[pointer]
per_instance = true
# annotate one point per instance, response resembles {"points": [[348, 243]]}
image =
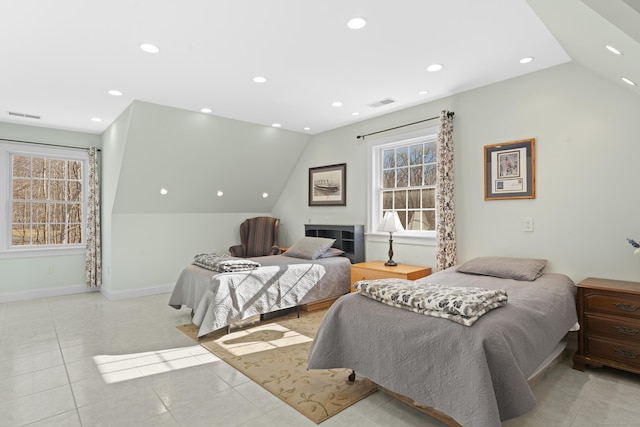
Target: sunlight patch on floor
{"points": [[123, 367], [260, 338]]}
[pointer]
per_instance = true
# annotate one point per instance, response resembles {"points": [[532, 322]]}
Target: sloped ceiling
{"points": [[585, 27], [193, 156]]}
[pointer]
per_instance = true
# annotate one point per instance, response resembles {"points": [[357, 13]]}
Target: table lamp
{"points": [[391, 223]]}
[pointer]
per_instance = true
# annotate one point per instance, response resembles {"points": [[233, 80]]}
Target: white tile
{"points": [[33, 382], [124, 409], [26, 364], [37, 406], [226, 409], [79, 352], [67, 419], [27, 348], [195, 387], [95, 390]]}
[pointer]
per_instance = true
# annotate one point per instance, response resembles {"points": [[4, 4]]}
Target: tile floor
{"points": [[83, 360]]}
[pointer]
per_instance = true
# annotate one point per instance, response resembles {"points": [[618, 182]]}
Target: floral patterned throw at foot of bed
{"points": [[463, 305], [224, 263]]}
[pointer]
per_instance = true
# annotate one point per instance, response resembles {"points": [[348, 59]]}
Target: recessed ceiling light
{"points": [[96, 119], [265, 195], [149, 48], [423, 92], [163, 191], [355, 113], [220, 193], [434, 67], [613, 50], [336, 104], [205, 110], [276, 125], [356, 23], [115, 92], [629, 82], [526, 59], [307, 128], [260, 79]]}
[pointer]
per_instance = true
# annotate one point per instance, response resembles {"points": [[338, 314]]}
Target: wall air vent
{"points": [[385, 101], [26, 116]]}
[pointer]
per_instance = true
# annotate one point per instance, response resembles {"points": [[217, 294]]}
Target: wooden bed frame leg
{"points": [[298, 309], [352, 376]]}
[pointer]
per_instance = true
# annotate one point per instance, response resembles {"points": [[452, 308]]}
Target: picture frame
{"points": [[509, 170], [328, 185]]}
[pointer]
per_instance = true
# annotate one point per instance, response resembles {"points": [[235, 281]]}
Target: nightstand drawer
{"points": [[610, 303], [613, 350], [362, 274], [373, 270], [614, 328]]}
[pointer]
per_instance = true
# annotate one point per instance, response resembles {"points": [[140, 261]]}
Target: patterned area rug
{"points": [[274, 354]]}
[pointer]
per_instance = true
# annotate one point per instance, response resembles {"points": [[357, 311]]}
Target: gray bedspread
{"points": [[476, 375], [221, 299]]}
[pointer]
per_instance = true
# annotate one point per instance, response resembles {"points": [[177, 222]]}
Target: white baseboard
{"points": [[136, 293], [44, 293]]}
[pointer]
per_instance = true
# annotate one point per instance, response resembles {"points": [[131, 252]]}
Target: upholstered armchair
{"points": [[258, 237]]}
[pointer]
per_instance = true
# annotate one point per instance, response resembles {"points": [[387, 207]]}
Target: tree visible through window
{"points": [[46, 201], [404, 177]]}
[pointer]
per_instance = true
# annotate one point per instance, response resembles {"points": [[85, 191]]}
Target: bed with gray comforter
{"points": [[475, 374], [221, 299]]}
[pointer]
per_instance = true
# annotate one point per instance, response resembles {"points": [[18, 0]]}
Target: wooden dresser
{"points": [[377, 270], [609, 316]]}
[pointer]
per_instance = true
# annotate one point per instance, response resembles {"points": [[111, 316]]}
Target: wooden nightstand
{"points": [[377, 270], [609, 316]]}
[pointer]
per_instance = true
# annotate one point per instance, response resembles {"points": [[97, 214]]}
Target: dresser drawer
{"points": [[622, 352], [614, 328], [610, 303]]}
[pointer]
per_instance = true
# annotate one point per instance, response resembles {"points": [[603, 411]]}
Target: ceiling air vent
{"points": [[385, 101], [26, 116]]}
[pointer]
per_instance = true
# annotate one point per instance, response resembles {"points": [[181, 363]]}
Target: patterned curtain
{"points": [[93, 263], [445, 204]]}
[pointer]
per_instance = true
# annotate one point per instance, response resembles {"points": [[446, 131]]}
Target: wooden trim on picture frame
{"points": [[510, 170], [328, 185]]}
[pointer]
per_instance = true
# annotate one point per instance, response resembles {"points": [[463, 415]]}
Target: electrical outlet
{"points": [[50, 269], [527, 223]]}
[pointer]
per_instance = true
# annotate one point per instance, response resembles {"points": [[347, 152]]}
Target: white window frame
{"points": [[375, 149], [6, 151]]}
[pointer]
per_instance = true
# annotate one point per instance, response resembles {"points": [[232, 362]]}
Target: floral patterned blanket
{"points": [[463, 305], [224, 263]]}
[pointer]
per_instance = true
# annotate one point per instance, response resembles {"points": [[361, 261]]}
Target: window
{"points": [[403, 178], [44, 189]]}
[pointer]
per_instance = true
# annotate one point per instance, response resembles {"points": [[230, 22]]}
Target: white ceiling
{"points": [[60, 58]]}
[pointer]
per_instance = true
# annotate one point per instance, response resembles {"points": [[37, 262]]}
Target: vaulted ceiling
{"points": [[62, 58]]}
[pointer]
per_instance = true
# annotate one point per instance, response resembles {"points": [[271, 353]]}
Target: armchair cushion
{"points": [[258, 237]]}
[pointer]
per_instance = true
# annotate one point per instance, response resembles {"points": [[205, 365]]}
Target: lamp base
{"points": [[391, 263]]}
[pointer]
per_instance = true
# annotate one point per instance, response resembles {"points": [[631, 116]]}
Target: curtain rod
{"points": [[449, 114], [45, 143]]}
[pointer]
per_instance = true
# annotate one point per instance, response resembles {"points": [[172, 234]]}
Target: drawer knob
{"points": [[625, 307], [626, 331], [625, 353]]}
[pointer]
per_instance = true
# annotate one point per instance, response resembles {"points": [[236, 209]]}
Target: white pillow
{"points": [[309, 247]]}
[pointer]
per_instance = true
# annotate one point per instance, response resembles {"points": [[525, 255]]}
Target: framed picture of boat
{"points": [[328, 185]]}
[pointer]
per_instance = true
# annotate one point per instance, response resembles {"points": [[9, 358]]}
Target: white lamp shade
{"points": [[391, 222]]}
